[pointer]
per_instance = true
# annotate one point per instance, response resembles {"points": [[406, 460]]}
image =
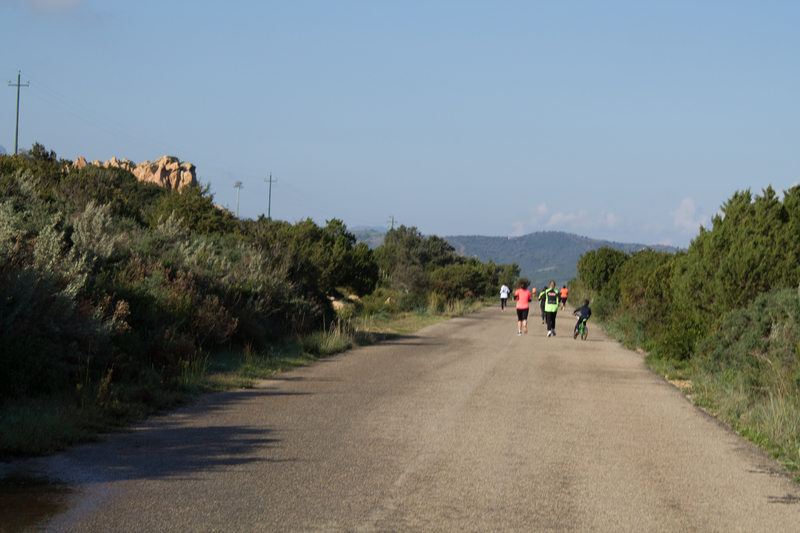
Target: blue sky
{"points": [[629, 121]]}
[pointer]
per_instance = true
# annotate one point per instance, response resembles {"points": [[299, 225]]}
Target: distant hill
{"points": [[373, 236], [542, 256]]}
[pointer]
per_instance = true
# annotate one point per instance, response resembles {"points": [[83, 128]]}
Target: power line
{"points": [[16, 130]]}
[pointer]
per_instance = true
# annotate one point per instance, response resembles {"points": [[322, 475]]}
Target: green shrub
{"points": [[469, 279], [596, 270], [763, 336], [46, 327], [381, 302], [751, 249], [95, 234], [411, 302], [194, 206], [678, 338], [436, 303], [603, 307]]}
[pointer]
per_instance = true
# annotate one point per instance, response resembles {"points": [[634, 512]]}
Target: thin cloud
{"points": [[519, 228], [612, 220], [542, 210], [687, 218], [542, 216]]}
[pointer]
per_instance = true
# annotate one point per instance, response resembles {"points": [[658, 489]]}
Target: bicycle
{"points": [[582, 329]]}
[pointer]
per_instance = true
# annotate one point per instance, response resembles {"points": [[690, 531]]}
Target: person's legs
{"points": [[519, 321], [550, 318], [525, 320]]}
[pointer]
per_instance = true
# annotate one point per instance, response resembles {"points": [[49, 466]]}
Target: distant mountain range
{"points": [[541, 256]]}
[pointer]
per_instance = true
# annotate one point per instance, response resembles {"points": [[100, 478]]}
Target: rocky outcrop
{"points": [[167, 171]]}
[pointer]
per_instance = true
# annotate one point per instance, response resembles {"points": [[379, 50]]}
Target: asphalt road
{"points": [[464, 426]]}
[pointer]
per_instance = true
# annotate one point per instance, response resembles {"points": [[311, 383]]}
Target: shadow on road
{"points": [[173, 445], [170, 451], [169, 446]]}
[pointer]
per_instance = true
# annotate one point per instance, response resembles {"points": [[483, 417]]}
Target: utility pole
{"points": [[269, 205], [18, 85], [238, 187], [391, 219]]}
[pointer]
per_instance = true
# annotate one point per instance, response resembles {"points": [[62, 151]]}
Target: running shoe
{"points": [[525, 329]]}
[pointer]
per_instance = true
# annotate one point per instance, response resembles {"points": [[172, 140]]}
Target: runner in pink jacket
{"points": [[523, 297]]}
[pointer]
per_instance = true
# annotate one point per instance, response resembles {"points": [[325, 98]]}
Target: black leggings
{"points": [[550, 318]]}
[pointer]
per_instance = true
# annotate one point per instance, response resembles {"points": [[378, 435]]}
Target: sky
{"points": [[629, 121]]}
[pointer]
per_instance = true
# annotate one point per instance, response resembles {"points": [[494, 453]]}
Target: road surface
{"points": [[464, 426]]}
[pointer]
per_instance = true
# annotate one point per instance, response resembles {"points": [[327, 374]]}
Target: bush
{"points": [[596, 269], [319, 259], [194, 206], [678, 338], [751, 249], [764, 335], [460, 281], [46, 327], [409, 302], [437, 303], [603, 308]]}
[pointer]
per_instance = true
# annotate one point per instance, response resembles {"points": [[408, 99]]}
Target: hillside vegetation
{"points": [[116, 296], [723, 317]]}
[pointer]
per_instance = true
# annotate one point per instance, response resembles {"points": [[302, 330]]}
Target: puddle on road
{"points": [[27, 499]]}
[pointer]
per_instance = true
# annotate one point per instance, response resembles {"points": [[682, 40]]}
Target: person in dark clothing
{"points": [[551, 308], [584, 313], [541, 301]]}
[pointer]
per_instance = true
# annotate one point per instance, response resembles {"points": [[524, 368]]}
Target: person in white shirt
{"points": [[504, 292]]}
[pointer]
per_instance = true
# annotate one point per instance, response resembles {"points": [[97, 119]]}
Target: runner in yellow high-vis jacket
{"points": [[551, 308]]}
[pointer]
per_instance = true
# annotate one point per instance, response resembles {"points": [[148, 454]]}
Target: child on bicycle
{"points": [[584, 313]]}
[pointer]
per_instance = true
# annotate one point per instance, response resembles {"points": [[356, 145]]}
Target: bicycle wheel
{"points": [[584, 333]]}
